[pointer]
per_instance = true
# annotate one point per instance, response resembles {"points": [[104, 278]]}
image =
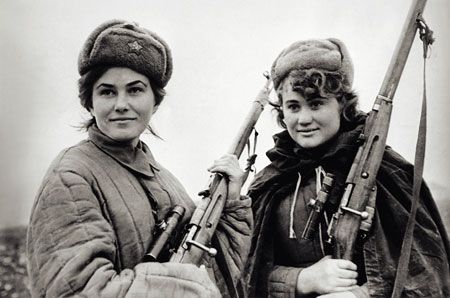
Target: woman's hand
{"points": [[229, 165], [327, 276]]}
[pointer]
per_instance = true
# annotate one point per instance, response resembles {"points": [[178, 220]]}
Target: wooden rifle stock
{"points": [[361, 180], [206, 216]]}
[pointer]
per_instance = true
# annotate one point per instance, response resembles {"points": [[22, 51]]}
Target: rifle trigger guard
{"points": [[363, 215], [210, 250]]}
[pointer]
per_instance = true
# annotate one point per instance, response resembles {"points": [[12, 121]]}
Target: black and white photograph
{"points": [[176, 148]]}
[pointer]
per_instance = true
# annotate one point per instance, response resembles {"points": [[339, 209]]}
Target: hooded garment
{"points": [[378, 254], [95, 216]]}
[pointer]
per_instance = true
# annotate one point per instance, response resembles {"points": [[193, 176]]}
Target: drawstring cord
{"points": [[320, 174], [291, 213]]}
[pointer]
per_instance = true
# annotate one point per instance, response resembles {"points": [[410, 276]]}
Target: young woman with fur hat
{"points": [[96, 212], [318, 109]]}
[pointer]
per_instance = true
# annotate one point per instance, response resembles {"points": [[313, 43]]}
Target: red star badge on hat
{"points": [[134, 47]]}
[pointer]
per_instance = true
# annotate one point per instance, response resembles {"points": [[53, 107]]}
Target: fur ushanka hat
{"points": [[322, 54], [118, 43]]}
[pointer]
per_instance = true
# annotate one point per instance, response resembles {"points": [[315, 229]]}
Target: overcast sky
{"points": [[220, 50]]}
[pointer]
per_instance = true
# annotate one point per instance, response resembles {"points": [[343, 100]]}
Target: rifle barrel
{"points": [[362, 175], [207, 215]]}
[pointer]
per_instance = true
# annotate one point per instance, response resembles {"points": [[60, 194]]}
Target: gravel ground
{"points": [[13, 268]]}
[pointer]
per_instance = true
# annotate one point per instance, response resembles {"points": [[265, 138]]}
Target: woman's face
{"points": [[122, 104], [310, 122]]}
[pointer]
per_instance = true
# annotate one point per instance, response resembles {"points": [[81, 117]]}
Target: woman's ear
{"points": [[281, 115], [91, 111], [155, 108], [280, 111], [341, 106]]}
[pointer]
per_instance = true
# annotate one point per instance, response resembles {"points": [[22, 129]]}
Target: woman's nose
{"points": [[121, 102], [304, 117]]}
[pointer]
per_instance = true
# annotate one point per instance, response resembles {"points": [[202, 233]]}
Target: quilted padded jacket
{"points": [[94, 217]]}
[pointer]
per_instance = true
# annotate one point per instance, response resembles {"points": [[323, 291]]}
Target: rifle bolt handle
{"points": [[364, 214], [210, 250]]}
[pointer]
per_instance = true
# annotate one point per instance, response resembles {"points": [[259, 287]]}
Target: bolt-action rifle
{"points": [[360, 186], [203, 223], [199, 231]]}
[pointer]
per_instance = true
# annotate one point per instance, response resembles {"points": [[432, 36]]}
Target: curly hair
{"points": [[86, 87], [313, 83]]}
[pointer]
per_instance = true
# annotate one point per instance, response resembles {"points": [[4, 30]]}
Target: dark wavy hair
{"points": [[313, 83], [86, 87]]}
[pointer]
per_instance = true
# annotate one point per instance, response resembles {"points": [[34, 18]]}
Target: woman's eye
{"points": [[134, 90], [293, 107], [107, 92], [316, 104]]}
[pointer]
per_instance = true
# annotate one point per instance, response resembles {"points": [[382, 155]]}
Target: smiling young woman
{"points": [[311, 120], [318, 109], [122, 104], [101, 201]]}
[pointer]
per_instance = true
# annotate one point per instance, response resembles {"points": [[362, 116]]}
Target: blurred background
{"points": [[220, 50]]}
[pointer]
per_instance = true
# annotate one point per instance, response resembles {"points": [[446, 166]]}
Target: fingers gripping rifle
{"points": [[360, 185], [208, 212]]}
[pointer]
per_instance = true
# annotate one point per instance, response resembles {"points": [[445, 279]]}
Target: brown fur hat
{"points": [[322, 54], [118, 43]]}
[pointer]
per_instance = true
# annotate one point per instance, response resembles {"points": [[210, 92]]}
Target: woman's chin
{"points": [[124, 136], [309, 143]]}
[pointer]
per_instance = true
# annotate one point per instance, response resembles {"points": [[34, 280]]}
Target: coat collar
{"points": [[288, 156], [138, 159]]}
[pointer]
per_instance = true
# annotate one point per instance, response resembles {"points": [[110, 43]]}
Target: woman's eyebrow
{"points": [[136, 82], [105, 85], [316, 98]]}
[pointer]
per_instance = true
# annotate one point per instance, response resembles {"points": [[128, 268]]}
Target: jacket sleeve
{"points": [[71, 246], [72, 251], [234, 233], [283, 281]]}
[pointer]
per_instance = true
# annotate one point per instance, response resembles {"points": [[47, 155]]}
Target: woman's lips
{"points": [[122, 119], [307, 132]]}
